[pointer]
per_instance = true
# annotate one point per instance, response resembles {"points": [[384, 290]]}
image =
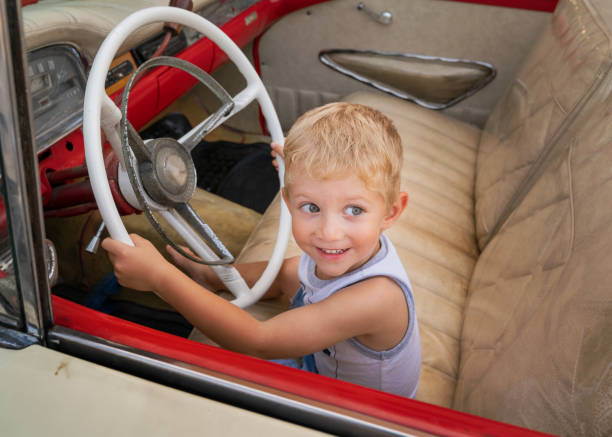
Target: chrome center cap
{"points": [[175, 170], [170, 177]]}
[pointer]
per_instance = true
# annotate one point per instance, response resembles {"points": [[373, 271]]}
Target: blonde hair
{"points": [[340, 139]]}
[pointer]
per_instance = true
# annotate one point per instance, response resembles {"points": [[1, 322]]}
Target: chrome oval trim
{"points": [[325, 59], [11, 339]]}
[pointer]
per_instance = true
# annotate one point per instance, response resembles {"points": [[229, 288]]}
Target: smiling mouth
{"points": [[333, 251]]}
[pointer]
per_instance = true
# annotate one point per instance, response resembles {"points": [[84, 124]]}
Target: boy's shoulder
{"points": [[372, 298], [379, 284]]}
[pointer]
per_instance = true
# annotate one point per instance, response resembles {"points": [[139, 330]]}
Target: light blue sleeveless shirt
{"points": [[396, 370]]}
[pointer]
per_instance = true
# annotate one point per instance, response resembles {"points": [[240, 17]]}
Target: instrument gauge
{"points": [[57, 88]]}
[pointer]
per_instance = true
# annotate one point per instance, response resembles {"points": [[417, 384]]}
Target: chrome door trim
{"points": [[12, 339], [324, 58], [20, 176], [196, 380]]}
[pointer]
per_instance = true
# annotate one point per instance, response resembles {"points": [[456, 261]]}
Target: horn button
{"points": [[170, 177]]}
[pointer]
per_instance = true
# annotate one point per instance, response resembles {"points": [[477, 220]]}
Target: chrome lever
{"points": [[384, 17], [93, 245]]}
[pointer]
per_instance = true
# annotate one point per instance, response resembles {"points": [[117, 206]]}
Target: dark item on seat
{"points": [[242, 173]]}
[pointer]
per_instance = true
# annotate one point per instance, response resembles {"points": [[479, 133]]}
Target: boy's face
{"points": [[338, 222]]}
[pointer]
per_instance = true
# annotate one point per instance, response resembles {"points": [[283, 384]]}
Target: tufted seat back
{"points": [[558, 77]]}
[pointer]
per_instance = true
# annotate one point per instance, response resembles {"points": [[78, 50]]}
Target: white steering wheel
{"points": [[159, 175]]}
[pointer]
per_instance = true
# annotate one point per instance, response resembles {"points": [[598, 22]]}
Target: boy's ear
{"points": [[397, 208]]}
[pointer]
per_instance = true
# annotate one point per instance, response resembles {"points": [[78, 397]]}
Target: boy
{"points": [[352, 303]]}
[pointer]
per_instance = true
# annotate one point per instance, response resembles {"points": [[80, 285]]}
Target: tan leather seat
{"points": [[508, 333]]}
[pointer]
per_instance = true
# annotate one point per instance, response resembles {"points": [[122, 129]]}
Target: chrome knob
{"points": [[384, 17]]}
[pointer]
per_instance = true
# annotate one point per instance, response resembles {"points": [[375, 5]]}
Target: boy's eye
{"points": [[310, 208], [353, 210]]}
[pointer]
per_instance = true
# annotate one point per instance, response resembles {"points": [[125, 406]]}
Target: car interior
{"points": [[504, 114]]}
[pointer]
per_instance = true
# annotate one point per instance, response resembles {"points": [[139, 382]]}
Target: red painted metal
{"points": [[67, 153], [71, 211], [111, 163], [61, 176], [71, 194], [142, 100], [392, 408], [172, 82], [534, 5]]}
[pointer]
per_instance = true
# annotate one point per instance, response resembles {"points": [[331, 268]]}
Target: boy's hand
{"points": [[202, 274], [276, 149], [137, 267]]}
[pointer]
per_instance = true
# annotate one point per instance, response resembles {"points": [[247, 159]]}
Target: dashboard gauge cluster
{"points": [[57, 87]]}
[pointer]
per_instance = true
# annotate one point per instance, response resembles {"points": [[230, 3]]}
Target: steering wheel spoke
{"points": [[138, 146], [192, 218], [195, 135]]}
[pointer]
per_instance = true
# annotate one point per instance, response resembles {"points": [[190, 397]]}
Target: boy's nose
{"points": [[330, 229]]}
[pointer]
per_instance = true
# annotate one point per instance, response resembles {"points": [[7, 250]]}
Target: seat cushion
{"points": [[434, 237]]}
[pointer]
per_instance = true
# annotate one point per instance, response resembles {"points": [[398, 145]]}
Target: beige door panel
{"points": [[48, 393], [297, 80]]}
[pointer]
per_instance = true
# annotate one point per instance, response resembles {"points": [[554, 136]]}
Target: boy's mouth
{"points": [[332, 251]]}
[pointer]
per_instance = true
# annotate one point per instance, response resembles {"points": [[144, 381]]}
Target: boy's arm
{"points": [[360, 312], [285, 284], [142, 267], [366, 310], [373, 311]]}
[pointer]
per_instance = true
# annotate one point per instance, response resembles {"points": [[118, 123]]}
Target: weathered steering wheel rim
{"points": [[95, 98]]}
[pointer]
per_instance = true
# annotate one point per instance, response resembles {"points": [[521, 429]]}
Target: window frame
{"points": [[22, 202]]}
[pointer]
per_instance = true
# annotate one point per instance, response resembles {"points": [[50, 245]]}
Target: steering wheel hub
{"points": [[170, 177]]}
